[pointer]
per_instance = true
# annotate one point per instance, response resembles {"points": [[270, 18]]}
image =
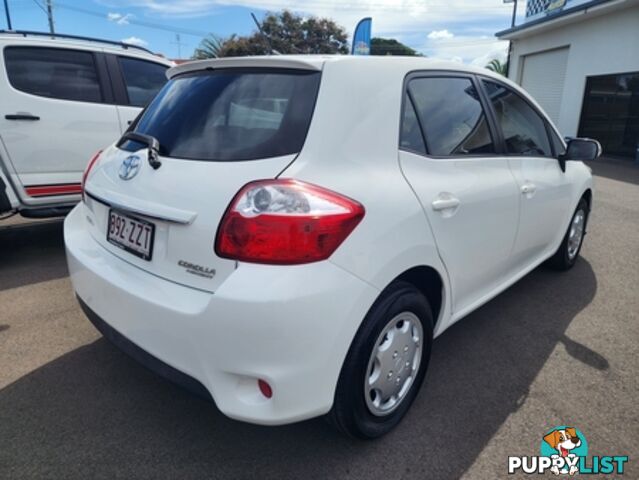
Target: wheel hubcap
{"points": [[393, 364], [576, 234]]}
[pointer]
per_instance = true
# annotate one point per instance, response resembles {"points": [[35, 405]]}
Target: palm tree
{"points": [[497, 66], [209, 47]]}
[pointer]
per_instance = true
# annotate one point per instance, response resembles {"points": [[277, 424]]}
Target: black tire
{"points": [[350, 413], [562, 260]]}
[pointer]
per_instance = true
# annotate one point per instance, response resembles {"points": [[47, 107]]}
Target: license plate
{"points": [[131, 234]]}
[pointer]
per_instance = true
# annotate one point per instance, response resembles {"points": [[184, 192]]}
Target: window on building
{"points": [[523, 128], [452, 116], [143, 79], [610, 112], [54, 73]]}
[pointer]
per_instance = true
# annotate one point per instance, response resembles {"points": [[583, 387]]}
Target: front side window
{"points": [[452, 116], [557, 144], [524, 130], [143, 80], [54, 73], [232, 115]]}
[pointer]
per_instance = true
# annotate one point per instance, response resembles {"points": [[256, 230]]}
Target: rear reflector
{"points": [[285, 222], [265, 388]]}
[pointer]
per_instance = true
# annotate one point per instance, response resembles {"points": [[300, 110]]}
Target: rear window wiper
{"points": [[151, 142]]}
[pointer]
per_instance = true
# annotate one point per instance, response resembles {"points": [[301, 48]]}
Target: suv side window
{"points": [[523, 128], [452, 116], [411, 137], [142, 79], [54, 72]]}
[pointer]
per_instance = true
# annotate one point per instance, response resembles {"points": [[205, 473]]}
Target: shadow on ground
{"points": [[31, 253], [94, 413], [616, 169]]}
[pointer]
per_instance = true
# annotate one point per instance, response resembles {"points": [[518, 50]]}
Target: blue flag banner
{"points": [[362, 37]]}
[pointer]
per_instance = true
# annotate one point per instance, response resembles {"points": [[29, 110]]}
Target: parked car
{"points": [[288, 234], [62, 99]]}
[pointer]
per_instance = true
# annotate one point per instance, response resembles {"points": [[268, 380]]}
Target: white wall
{"points": [[600, 45]]}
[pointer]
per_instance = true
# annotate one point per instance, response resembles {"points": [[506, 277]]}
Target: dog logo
{"points": [[130, 167], [566, 443], [564, 451]]}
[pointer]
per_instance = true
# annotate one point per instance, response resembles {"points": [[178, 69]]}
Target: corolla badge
{"points": [[130, 167]]}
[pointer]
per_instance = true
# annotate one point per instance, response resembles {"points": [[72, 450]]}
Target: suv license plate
{"points": [[131, 234]]}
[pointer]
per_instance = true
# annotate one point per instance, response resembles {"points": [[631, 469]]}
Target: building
{"points": [[580, 60]]}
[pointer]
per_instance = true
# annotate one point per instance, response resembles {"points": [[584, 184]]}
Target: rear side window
{"points": [[411, 137], [54, 73], [233, 114], [524, 130], [452, 116], [143, 80]]}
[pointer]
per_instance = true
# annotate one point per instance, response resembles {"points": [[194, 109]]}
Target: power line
{"points": [[40, 6], [157, 26]]}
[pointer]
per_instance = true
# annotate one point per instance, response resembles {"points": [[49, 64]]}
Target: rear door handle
{"points": [[21, 116], [528, 188], [445, 201]]}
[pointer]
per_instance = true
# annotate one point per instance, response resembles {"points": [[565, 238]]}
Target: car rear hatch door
{"points": [[217, 131]]}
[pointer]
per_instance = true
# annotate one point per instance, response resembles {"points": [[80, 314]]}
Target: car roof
{"points": [[72, 41], [318, 62]]}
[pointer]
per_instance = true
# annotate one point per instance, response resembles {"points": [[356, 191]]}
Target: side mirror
{"points": [[580, 149]]}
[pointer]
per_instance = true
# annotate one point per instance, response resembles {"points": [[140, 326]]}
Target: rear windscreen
{"points": [[229, 115]]}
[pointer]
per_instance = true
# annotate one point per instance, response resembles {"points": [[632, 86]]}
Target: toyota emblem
{"points": [[130, 166]]}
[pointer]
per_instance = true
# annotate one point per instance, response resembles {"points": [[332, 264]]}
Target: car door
{"points": [[56, 113], [136, 82], [451, 157], [532, 147]]}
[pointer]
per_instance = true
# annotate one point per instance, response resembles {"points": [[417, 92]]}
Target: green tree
{"points": [[497, 66], [390, 46], [209, 47], [284, 32]]}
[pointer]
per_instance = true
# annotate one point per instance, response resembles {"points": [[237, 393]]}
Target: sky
{"points": [[461, 30]]}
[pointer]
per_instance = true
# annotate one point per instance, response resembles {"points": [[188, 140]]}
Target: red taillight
{"points": [[85, 175], [285, 222]]}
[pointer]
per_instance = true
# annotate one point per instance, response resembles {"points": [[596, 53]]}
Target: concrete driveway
{"points": [[554, 349]]}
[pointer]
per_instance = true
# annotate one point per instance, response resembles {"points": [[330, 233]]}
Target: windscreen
{"points": [[231, 114]]}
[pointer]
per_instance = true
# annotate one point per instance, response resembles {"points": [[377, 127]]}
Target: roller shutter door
{"points": [[543, 76]]}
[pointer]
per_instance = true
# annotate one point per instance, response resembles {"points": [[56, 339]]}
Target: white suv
{"points": [[288, 234], [62, 99]]}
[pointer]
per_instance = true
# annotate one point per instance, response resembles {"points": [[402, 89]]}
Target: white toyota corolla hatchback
{"points": [[288, 234]]}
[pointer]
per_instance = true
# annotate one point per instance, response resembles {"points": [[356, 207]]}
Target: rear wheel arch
{"points": [[430, 283], [424, 278]]}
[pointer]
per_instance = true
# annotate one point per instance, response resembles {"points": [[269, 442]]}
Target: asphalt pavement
{"points": [[554, 349]]}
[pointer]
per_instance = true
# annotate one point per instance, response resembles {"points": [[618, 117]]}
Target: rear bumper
{"points": [[291, 326], [143, 357]]}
